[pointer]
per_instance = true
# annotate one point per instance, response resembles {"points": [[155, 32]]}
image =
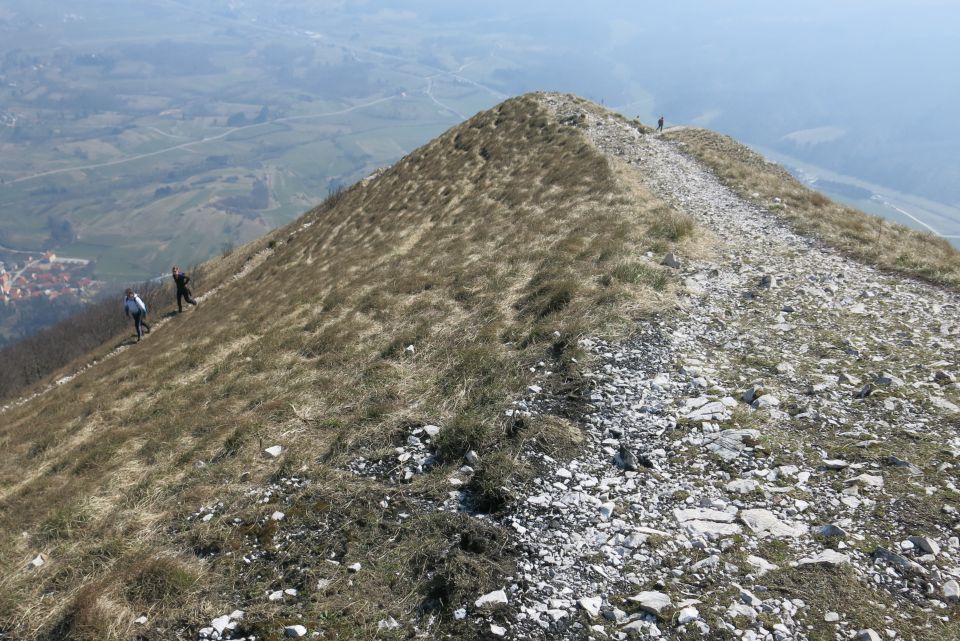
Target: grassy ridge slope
{"points": [[866, 238], [489, 249]]}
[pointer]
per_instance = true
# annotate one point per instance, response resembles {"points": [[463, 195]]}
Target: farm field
{"points": [[160, 145]]}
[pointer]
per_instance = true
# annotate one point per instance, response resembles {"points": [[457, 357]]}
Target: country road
{"points": [[16, 251], [186, 145]]}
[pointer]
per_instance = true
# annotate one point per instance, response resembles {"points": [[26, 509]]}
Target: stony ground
{"points": [[777, 461]]}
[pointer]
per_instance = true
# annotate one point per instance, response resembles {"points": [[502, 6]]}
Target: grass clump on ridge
{"points": [[870, 239], [495, 246]]}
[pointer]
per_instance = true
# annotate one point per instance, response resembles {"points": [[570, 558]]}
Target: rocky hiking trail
{"points": [[776, 461]]}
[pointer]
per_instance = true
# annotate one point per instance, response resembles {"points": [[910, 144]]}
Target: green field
{"points": [[149, 139]]}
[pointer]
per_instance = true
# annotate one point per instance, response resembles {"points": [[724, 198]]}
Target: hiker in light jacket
{"points": [[183, 292], [133, 306]]}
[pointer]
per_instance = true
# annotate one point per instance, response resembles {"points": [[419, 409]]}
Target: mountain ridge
{"points": [[439, 342]]}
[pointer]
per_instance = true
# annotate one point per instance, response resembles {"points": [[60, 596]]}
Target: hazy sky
{"points": [[876, 80]]}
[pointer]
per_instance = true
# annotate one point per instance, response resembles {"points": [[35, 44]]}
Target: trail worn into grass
{"points": [[248, 266]]}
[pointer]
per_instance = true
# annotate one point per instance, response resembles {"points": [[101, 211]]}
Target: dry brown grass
{"points": [[826, 589], [495, 246], [870, 239]]}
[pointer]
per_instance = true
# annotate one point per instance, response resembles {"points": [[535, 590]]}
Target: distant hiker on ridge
{"points": [[660, 125], [133, 306], [183, 292]]}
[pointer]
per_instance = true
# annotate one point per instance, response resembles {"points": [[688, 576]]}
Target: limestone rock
{"points": [[388, 624], [944, 378], [762, 565], [273, 451], [827, 557], [766, 401], [753, 393], [742, 486], [730, 444], [898, 560], [890, 380], [715, 411], [491, 598], [835, 464], [591, 605], [866, 480], [764, 522], [652, 601], [830, 531], [688, 615], [928, 545], [943, 404], [951, 591]]}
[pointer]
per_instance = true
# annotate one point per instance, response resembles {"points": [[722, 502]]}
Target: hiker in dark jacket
{"points": [[183, 292], [133, 306], [660, 124]]}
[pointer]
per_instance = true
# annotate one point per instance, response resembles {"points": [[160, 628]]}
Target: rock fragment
{"points": [[765, 523], [652, 601], [826, 557], [591, 605], [951, 591], [671, 261], [491, 598]]}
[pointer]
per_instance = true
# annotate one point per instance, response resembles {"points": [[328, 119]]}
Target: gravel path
{"points": [[800, 412]]}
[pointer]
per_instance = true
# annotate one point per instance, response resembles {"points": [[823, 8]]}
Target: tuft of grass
{"points": [[637, 273], [88, 617], [672, 225], [466, 432], [549, 291], [160, 580], [489, 487], [63, 523]]}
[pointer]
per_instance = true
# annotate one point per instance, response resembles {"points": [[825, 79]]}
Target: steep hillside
{"points": [[423, 296], [550, 376]]}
